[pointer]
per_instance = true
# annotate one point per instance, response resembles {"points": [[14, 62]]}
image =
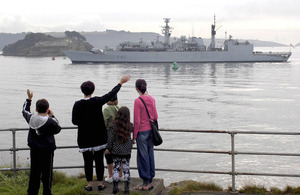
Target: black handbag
{"points": [[156, 138]]}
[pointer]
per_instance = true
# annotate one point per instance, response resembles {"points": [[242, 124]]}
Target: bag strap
{"points": [[145, 107]]}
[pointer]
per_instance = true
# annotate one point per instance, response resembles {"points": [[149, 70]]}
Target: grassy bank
{"points": [[63, 185], [185, 187]]}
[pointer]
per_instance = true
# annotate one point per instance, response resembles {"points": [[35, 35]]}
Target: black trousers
{"points": [[89, 157], [41, 163]]}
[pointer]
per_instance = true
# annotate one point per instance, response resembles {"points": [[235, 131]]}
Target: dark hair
{"points": [[114, 98], [141, 85], [42, 106], [87, 87], [123, 127]]}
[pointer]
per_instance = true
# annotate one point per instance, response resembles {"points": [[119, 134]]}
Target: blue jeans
{"points": [[145, 156]]}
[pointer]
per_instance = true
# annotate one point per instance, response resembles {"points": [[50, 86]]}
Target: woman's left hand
{"points": [[106, 151]]}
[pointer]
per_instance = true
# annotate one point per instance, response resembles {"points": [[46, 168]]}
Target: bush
{"points": [[253, 189]]}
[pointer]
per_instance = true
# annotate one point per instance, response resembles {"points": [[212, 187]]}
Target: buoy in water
{"points": [[175, 66], [53, 58]]}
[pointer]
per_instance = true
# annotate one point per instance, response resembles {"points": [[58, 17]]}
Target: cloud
{"points": [[17, 23], [11, 24]]}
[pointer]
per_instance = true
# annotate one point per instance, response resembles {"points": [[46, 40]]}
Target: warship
{"points": [[180, 50]]}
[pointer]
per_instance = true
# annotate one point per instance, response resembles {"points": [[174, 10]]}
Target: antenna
{"points": [[192, 29]]}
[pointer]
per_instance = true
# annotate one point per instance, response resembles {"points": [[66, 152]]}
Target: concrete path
{"points": [[158, 187]]}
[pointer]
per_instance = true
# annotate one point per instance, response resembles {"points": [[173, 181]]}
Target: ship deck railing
{"points": [[232, 152], [271, 52]]}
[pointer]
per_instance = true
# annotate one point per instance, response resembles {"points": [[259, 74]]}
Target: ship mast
{"points": [[213, 33], [166, 31]]}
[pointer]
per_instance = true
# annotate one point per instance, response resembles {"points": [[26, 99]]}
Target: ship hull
{"points": [[170, 57]]}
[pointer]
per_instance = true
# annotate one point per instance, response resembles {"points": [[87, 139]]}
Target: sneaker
{"points": [[109, 179], [121, 179]]}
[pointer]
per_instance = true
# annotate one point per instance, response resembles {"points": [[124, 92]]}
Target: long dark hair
{"points": [[122, 122]]}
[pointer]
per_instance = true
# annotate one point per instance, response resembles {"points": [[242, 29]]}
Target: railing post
{"points": [[233, 163], [14, 151]]}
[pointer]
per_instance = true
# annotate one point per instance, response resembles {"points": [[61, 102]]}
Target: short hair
{"points": [[114, 98], [141, 85], [87, 88], [42, 106]]}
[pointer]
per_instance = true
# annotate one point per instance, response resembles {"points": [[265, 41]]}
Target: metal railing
{"points": [[232, 153]]}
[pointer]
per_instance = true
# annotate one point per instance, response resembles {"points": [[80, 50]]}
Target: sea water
{"points": [[206, 96]]}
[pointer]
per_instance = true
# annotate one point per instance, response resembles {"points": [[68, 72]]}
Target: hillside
{"points": [[112, 38], [39, 44]]}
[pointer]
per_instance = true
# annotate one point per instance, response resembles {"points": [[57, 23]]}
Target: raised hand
{"points": [[29, 94], [124, 79]]}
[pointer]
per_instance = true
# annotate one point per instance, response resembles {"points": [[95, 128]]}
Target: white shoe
{"points": [[109, 179], [121, 179]]}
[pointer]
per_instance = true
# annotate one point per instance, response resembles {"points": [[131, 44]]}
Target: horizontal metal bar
{"points": [[186, 151], [5, 150], [190, 131], [173, 170], [192, 151], [265, 132], [269, 174], [267, 153], [193, 131]]}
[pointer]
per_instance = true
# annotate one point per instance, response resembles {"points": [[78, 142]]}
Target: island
{"points": [[42, 45]]}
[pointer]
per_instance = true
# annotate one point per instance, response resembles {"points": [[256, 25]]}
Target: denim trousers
{"points": [[145, 156]]}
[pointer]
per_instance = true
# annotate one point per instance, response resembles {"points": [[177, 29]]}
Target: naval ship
{"points": [[183, 50]]}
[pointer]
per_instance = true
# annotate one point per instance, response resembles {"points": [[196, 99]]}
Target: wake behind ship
{"points": [[184, 50]]}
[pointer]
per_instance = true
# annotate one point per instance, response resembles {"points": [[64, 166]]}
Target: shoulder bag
{"points": [[156, 138]]}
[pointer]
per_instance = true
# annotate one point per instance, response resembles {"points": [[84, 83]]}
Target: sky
{"points": [[267, 20]]}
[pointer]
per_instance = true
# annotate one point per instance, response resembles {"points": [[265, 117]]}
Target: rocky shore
{"points": [[42, 45]]}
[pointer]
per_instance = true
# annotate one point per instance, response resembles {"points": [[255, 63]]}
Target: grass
{"points": [[189, 186], [192, 186], [62, 185]]}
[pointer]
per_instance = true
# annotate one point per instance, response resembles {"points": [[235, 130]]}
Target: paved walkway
{"points": [[157, 189]]}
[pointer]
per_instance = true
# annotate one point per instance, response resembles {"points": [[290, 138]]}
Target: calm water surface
{"points": [[224, 96]]}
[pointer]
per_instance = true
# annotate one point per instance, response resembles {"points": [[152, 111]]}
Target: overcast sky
{"points": [[269, 20]]}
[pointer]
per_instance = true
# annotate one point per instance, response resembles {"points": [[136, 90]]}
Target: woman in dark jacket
{"points": [[92, 133]]}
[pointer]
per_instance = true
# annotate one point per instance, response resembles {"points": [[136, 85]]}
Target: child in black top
{"points": [[119, 144], [43, 127]]}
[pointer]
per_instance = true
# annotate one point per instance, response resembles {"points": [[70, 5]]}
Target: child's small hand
{"points": [[50, 113], [29, 94], [106, 151]]}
